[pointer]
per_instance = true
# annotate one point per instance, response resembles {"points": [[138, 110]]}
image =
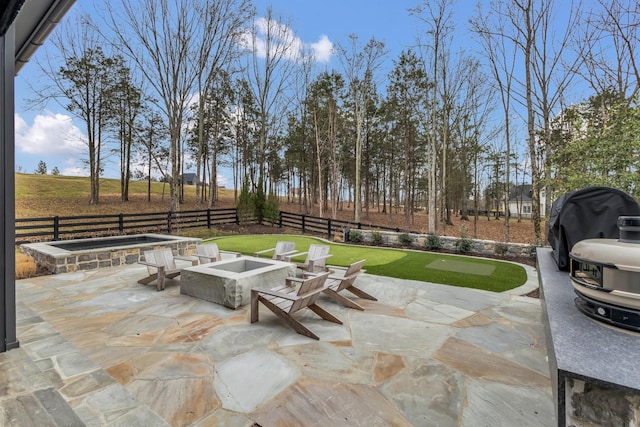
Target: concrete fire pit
{"points": [[229, 282]]}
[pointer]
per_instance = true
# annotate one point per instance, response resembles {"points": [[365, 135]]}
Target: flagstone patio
{"points": [[99, 349]]}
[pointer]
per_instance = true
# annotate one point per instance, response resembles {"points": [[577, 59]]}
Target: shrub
{"points": [[245, 206], [272, 208], [500, 249], [433, 241], [259, 202], [464, 243], [355, 236], [377, 238], [405, 239]]}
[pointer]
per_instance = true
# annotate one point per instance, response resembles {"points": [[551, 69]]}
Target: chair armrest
{"points": [[263, 251], [294, 279], [290, 253], [237, 254], [192, 259], [288, 257], [150, 264], [290, 297], [321, 257]]}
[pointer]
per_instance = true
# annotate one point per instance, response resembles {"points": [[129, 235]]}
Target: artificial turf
{"points": [[455, 270]]}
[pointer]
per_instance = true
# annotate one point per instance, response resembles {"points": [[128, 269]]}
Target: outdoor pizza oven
{"points": [[605, 274]]}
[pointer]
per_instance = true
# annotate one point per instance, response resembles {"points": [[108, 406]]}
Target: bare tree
{"points": [[225, 24], [168, 41], [526, 26], [438, 20], [273, 48], [609, 45], [84, 81], [360, 65], [501, 56]]}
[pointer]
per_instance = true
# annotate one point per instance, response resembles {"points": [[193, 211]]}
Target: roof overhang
{"points": [[34, 21]]}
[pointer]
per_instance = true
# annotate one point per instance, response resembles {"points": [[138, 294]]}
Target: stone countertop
{"points": [[583, 347]]}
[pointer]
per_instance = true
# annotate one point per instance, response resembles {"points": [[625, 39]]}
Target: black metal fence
{"points": [[326, 226], [61, 227]]}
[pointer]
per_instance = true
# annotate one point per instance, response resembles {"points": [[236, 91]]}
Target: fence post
{"points": [[237, 217], [169, 220], [56, 227], [329, 229], [209, 218], [280, 219], [303, 226], [121, 223], [359, 226]]}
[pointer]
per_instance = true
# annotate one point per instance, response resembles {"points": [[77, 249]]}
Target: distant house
{"points": [[520, 203], [189, 179]]}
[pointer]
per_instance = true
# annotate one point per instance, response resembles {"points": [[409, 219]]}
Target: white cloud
{"points": [[284, 42], [222, 181], [51, 134], [322, 49], [74, 171]]}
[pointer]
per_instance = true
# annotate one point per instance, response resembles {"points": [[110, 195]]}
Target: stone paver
{"points": [[99, 349]]}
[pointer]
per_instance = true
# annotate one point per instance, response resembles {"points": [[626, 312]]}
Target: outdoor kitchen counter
{"points": [[594, 367]]}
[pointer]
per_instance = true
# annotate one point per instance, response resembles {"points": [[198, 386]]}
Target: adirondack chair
{"points": [[209, 252], [316, 258], [161, 265], [285, 300], [336, 284], [280, 252]]}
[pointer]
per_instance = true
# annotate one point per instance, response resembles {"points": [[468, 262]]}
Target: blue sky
{"points": [[51, 134]]}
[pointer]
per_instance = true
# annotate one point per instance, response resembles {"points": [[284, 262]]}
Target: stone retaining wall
{"points": [[477, 247], [67, 262]]}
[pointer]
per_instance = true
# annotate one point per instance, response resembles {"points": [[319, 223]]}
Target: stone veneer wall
{"points": [[103, 257], [478, 247]]}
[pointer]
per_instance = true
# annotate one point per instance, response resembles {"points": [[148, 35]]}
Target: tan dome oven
{"points": [[605, 274]]}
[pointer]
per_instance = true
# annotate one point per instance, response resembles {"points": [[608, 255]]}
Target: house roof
{"points": [[9, 10], [34, 21], [520, 193]]}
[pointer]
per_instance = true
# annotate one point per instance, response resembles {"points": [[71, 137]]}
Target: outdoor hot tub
{"points": [[88, 254], [229, 282]]}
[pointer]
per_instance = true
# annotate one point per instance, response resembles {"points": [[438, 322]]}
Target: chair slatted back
{"points": [[160, 257], [350, 275], [210, 251], [318, 254], [283, 247], [312, 287]]}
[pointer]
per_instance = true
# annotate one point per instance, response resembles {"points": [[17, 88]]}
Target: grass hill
{"points": [[46, 196]]}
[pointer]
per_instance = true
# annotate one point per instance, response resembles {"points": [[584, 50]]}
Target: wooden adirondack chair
{"points": [[316, 258], [161, 265], [281, 251], [285, 300], [209, 252], [337, 284]]}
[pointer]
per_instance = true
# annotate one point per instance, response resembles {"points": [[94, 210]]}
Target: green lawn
{"points": [[470, 272]]}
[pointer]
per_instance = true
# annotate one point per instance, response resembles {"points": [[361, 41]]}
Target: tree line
{"points": [[449, 126]]}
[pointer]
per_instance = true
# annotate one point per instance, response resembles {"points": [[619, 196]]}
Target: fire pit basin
{"points": [[229, 282]]}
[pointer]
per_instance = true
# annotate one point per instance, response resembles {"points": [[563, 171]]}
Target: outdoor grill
{"points": [[605, 274]]}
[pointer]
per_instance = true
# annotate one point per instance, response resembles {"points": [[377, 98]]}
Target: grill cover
{"points": [[589, 213]]}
